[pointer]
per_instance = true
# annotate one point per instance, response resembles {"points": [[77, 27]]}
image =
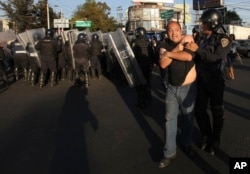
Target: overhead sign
{"points": [[204, 4], [61, 23], [167, 14], [83, 23], [153, 1]]}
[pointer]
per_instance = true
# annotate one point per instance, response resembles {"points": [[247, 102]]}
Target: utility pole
{"points": [[48, 19], [184, 15]]}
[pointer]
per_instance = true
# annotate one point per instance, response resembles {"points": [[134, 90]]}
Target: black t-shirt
{"points": [[177, 70]]}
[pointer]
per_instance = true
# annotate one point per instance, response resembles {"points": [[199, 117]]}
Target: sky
{"points": [[242, 7]]}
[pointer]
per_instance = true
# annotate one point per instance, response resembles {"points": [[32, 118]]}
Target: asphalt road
{"points": [[69, 130]]}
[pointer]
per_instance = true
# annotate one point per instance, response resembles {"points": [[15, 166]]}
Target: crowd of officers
{"points": [[55, 61]]}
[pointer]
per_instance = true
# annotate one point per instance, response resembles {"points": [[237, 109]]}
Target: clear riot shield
{"points": [[105, 39], [126, 58], [33, 36], [25, 41], [72, 37]]}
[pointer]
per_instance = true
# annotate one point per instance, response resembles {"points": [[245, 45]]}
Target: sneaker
{"points": [[165, 161]]}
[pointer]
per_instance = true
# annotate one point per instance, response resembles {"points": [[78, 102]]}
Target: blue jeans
{"points": [[180, 100]]}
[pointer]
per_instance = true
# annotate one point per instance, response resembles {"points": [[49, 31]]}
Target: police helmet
{"points": [[212, 18], [49, 33], [140, 32], [82, 37], [95, 36]]}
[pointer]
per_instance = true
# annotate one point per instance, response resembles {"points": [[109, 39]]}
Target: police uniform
{"points": [[140, 48], [69, 60], [2, 68], [61, 58], [210, 82], [48, 48], [33, 64], [96, 54], [81, 53], [20, 58]]}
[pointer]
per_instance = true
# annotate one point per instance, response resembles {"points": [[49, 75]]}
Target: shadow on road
{"points": [[70, 149]]}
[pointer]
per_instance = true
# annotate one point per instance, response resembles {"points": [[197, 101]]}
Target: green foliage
{"points": [[232, 17], [23, 14], [97, 13]]}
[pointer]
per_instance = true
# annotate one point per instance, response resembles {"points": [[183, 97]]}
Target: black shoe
{"points": [[203, 142], [165, 161], [189, 151], [210, 150]]}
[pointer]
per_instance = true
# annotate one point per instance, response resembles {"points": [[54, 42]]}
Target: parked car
{"points": [[243, 47]]}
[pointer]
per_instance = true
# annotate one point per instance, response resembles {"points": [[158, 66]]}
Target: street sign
{"points": [[61, 23], [83, 23], [167, 14]]}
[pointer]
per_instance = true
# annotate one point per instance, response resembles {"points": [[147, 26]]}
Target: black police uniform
{"points": [[96, 54], [48, 48], [20, 57], [61, 58], [69, 60], [2, 67], [141, 48], [81, 53], [211, 86], [33, 64]]}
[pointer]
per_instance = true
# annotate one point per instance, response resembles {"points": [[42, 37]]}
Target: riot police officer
{"points": [[95, 60], [81, 53], [140, 46], [3, 75], [61, 58], [20, 58], [48, 48], [33, 64], [212, 47]]}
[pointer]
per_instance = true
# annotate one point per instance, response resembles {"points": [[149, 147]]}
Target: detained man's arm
{"points": [[180, 52], [164, 61]]}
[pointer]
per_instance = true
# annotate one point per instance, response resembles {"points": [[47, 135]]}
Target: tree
{"points": [[24, 14], [233, 18], [97, 13]]}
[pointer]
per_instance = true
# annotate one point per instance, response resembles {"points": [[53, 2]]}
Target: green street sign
{"points": [[83, 23], [167, 14]]}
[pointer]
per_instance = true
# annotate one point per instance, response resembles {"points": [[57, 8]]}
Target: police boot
{"points": [[16, 74], [53, 79], [63, 74], [93, 74], [42, 80], [33, 79], [87, 82], [5, 81], [29, 75], [70, 75], [25, 74], [99, 71], [77, 80]]}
